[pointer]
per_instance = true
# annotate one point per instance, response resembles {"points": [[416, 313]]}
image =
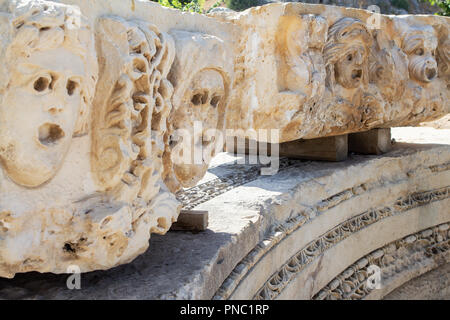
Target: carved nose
{"points": [[358, 58], [55, 110], [431, 62]]}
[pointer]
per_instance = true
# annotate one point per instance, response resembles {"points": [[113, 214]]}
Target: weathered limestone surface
{"points": [[313, 71], [86, 114], [259, 223], [433, 285], [109, 107]]}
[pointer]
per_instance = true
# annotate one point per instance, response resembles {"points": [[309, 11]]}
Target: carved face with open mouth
{"points": [[38, 115], [420, 45], [195, 123], [350, 69], [422, 65]]}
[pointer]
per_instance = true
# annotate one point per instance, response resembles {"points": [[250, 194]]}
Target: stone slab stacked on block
{"points": [[108, 108]]}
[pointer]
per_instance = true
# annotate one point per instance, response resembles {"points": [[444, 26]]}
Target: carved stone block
{"points": [[109, 107]]}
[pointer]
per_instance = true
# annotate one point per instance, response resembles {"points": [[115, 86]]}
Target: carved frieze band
{"points": [[281, 231], [392, 259], [277, 282]]}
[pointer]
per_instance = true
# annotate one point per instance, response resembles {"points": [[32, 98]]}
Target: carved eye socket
{"points": [[71, 87], [197, 99], [200, 98], [41, 84], [215, 100], [350, 57], [419, 51]]}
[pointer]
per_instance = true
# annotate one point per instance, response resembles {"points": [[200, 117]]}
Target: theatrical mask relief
{"points": [[104, 112]]}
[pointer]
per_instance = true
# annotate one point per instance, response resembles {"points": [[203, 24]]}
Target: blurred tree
{"points": [[240, 5], [444, 5], [184, 5]]}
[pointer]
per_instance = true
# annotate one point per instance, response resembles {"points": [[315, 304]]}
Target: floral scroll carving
{"points": [[129, 126]]}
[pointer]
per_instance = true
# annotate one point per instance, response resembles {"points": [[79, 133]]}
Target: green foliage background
{"points": [[444, 5], [240, 5], [183, 5], [403, 4]]}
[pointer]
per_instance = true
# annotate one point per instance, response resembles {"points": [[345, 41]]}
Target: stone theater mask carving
{"points": [[300, 44], [426, 94], [388, 68], [350, 104], [46, 89], [109, 107], [420, 45], [346, 53], [200, 75]]}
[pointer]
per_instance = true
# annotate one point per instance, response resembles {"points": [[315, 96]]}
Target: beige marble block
{"points": [[99, 98]]}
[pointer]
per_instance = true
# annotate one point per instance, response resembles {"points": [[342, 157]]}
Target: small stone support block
{"points": [[333, 148], [191, 220], [375, 141]]}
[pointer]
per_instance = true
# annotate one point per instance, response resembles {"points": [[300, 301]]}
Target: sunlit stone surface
{"points": [[95, 95]]}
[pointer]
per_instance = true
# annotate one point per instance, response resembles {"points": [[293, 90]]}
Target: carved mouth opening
{"points": [[356, 74], [50, 134], [430, 73]]}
